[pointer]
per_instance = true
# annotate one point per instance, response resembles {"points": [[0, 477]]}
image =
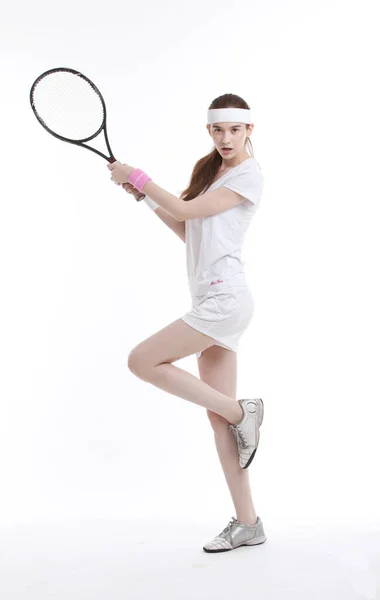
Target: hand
{"points": [[120, 172], [132, 190]]}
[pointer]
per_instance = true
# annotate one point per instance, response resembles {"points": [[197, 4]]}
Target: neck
{"points": [[234, 162]]}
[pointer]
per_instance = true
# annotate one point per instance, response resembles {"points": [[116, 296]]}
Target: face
{"points": [[231, 135]]}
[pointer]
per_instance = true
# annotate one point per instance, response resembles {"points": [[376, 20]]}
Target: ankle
{"points": [[247, 521], [238, 415]]}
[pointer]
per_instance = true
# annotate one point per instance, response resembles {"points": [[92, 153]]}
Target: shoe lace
{"points": [[226, 529], [240, 436]]}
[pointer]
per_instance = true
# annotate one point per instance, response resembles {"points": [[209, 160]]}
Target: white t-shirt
{"points": [[214, 244]]}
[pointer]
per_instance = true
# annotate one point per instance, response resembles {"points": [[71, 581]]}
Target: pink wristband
{"points": [[138, 179]]}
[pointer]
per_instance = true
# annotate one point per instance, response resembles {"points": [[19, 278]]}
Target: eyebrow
{"points": [[232, 127]]}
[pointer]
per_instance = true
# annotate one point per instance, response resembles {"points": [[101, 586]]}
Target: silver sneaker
{"points": [[237, 534], [247, 431]]}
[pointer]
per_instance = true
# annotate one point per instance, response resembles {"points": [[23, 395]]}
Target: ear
{"points": [[250, 129]]}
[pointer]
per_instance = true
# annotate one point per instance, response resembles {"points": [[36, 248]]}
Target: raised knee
{"points": [[218, 423], [135, 363]]}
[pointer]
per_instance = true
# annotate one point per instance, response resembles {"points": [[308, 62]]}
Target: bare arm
{"points": [[179, 227]]}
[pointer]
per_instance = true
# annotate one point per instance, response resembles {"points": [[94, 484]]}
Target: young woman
{"points": [[212, 216]]}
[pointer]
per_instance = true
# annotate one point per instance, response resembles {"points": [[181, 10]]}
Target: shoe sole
{"points": [[258, 437], [259, 541]]}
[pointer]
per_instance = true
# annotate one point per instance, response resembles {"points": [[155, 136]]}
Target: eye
{"points": [[233, 129]]}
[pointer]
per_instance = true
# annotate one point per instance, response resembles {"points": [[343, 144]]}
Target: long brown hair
{"points": [[207, 167]]}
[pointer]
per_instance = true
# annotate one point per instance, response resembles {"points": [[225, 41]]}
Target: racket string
{"points": [[68, 105]]}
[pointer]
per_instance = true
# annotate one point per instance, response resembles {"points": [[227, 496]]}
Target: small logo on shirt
{"points": [[217, 281]]}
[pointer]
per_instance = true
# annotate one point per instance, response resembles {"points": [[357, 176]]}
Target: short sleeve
{"points": [[248, 183]]}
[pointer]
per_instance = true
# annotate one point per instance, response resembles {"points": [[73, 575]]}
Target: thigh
{"points": [[173, 342]]}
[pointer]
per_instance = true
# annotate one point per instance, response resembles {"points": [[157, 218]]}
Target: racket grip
{"points": [[134, 191]]}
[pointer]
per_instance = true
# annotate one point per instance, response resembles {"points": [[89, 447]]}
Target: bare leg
{"points": [[236, 477], [219, 400], [215, 391], [181, 383], [218, 367]]}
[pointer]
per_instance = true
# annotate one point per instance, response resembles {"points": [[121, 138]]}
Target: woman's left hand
{"points": [[120, 172]]}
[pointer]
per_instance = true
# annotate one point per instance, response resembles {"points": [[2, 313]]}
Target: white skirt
{"points": [[222, 314]]}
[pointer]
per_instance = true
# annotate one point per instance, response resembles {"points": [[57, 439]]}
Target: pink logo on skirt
{"points": [[217, 281]]}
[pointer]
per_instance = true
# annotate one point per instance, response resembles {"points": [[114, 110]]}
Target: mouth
{"points": [[226, 150]]}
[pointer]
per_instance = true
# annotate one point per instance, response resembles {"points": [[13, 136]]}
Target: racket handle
{"points": [[134, 191], [140, 197]]}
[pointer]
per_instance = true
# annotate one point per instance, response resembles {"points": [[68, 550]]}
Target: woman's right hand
{"points": [[134, 191], [131, 190]]}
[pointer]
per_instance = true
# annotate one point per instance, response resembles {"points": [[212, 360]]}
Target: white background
{"points": [[87, 273]]}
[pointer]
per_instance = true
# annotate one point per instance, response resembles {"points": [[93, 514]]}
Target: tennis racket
{"points": [[70, 107]]}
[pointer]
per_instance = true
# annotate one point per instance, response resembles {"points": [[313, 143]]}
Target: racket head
{"points": [[68, 105]]}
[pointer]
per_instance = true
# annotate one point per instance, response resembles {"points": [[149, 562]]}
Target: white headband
{"points": [[229, 115]]}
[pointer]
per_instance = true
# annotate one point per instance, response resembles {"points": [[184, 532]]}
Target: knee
{"points": [[218, 423], [136, 364]]}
